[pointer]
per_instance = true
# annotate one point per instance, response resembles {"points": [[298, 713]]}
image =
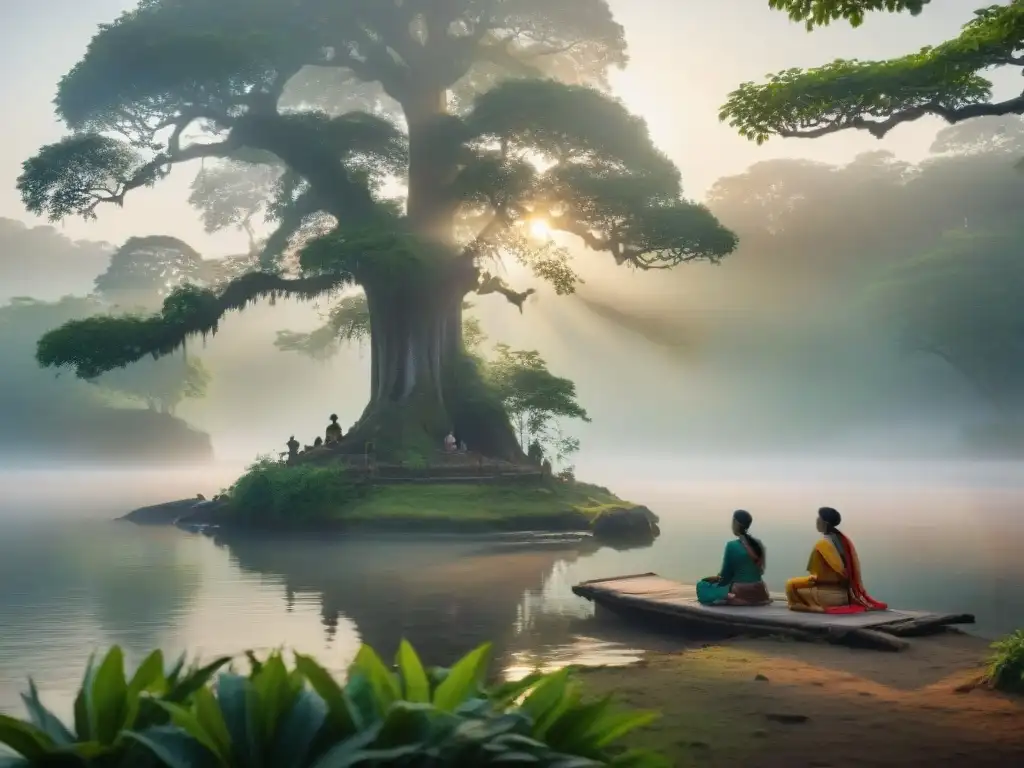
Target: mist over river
{"points": [[938, 536]]}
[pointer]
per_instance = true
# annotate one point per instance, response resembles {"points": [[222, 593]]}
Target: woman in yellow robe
{"points": [[833, 583]]}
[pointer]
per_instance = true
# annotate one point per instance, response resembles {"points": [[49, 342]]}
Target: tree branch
{"points": [[879, 128], [99, 344], [152, 169], [493, 284], [568, 225]]}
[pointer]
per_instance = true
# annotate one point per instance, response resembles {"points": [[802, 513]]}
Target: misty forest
{"points": [[385, 294], [402, 165]]}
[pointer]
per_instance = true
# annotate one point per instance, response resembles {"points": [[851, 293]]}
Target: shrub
{"points": [[270, 491], [302, 717], [109, 706], [1006, 666]]}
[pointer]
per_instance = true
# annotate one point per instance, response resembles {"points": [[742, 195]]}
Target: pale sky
{"points": [[686, 56]]}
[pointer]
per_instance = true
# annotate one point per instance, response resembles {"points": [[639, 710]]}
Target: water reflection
{"points": [[69, 587], [445, 595]]}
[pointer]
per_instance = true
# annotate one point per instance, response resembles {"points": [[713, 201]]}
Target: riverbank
{"points": [[777, 704]]}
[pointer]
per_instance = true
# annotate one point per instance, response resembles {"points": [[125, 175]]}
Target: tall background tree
{"points": [[876, 291], [424, 136], [57, 416], [144, 270], [48, 416]]}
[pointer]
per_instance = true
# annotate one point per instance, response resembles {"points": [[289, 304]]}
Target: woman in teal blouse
{"points": [[740, 580]]}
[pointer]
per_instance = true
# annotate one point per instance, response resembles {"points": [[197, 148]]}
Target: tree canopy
{"points": [[144, 270], [946, 80], [535, 399], [819, 13], [402, 145]]}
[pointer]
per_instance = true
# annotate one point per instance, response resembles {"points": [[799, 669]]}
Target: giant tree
{"points": [[877, 96], [486, 114]]}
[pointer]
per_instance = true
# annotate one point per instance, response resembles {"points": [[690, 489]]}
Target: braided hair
{"points": [[744, 520]]}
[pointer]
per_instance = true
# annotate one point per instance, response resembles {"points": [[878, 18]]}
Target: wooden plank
{"points": [[682, 599], [928, 624], [859, 637], [650, 593]]}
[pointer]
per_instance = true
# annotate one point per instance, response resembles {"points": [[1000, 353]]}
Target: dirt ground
{"points": [[778, 704]]}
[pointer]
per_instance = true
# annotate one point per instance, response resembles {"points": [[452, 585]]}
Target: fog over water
{"points": [[804, 370], [940, 536]]}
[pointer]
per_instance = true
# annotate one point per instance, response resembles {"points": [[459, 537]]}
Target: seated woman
{"points": [[834, 584], [739, 582]]}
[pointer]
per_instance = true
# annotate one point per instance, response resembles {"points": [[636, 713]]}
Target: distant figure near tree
{"points": [[293, 448], [535, 453], [333, 432], [449, 443]]}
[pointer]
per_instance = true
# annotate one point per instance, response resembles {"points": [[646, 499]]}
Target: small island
{"points": [[321, 490]]}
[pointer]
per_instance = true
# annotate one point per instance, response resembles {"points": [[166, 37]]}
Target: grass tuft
{"points": [[1006, 666]]}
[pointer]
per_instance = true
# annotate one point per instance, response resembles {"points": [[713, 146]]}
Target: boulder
{"points": [[626, 526]]}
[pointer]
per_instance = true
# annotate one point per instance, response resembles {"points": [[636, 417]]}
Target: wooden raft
{"points": [[651, 595]]}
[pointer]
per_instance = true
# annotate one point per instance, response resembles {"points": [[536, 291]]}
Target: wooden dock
{"points": [[647, 594]]}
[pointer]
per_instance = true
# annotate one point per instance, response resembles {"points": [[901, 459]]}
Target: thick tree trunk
{"points": [[431, 205], [422, 383]]}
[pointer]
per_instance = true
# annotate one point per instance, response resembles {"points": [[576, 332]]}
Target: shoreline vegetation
{"points": [[380, 714], [276, 496]]}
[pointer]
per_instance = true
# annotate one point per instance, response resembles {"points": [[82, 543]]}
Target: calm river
{"points": [[934, 537]]}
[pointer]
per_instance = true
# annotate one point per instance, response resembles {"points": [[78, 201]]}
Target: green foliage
{"points": [[67, 178], [376, 257], [109, 707], [231, 81], [818, 13], [877, 96], [1005, 670], [180, 80], [271, 492], [535, 399], [557, 121], [408, 714], [95, 345], [606, 182]]}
